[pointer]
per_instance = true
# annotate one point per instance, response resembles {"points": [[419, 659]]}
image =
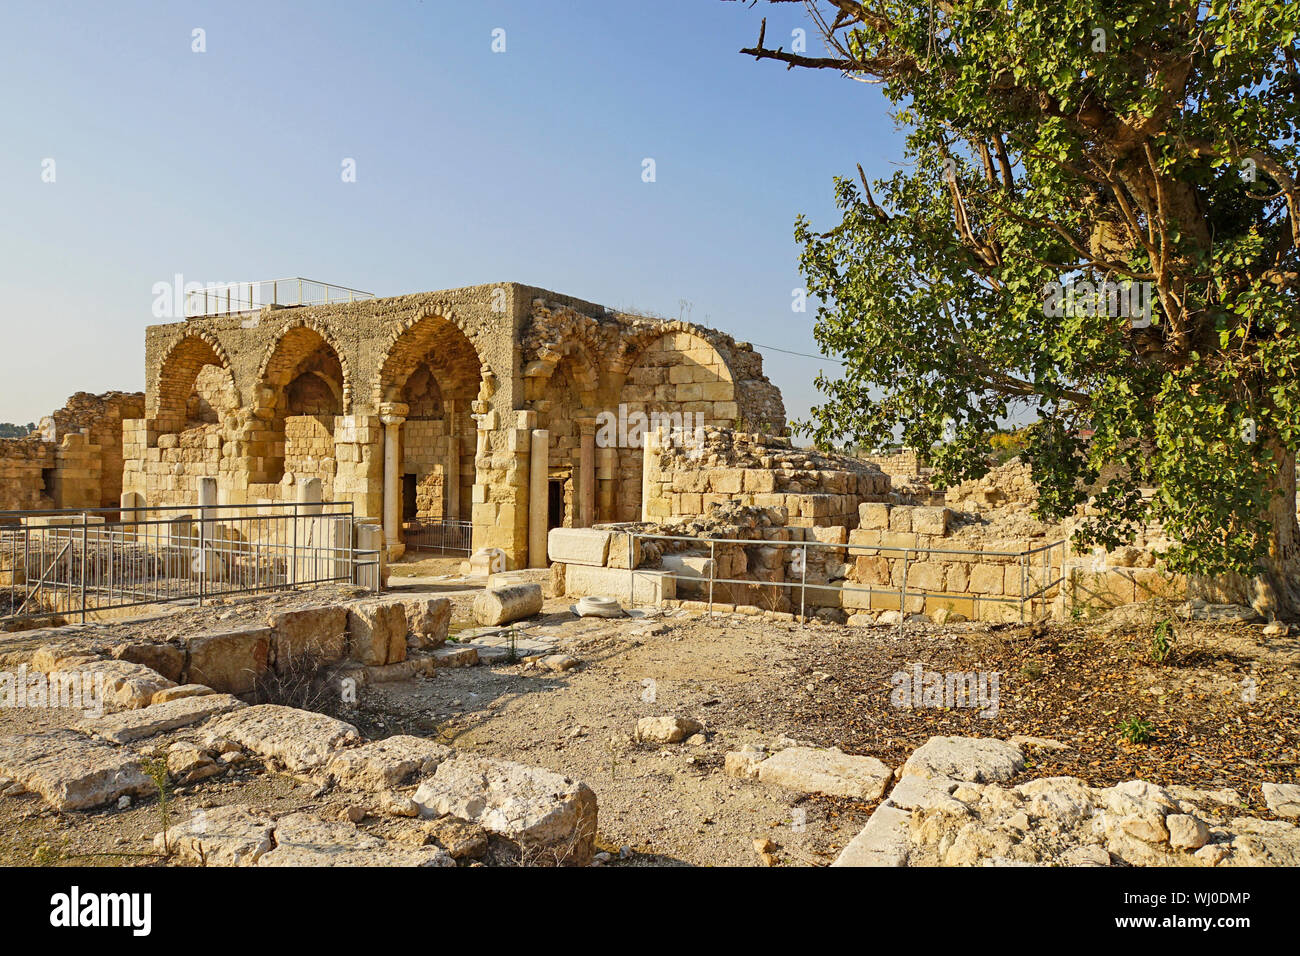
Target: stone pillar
{"points": [[538, 472], [587, 475], [451, 469], [309, 496], [393, 414], [207, 507], [607, 457], [649, 454]]}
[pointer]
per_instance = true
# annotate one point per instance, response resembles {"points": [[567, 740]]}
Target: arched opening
{"points": [[194, 395], [433, 370], [566, 400], [304, 390]]}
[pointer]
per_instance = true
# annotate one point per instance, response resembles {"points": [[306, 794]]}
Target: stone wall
{"points": [[452, 383]]}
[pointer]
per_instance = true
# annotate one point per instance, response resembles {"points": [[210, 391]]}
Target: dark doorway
{"points": [[554, 503], [409, 507]]}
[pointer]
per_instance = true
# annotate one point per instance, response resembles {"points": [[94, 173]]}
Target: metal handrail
{"points": [[229, 298], [902, 592]]}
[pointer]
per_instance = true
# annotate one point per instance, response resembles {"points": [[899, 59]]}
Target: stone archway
{"points": [[303, 387], [424, 389]]}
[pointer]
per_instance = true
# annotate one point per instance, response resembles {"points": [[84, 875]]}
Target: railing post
{"points": [[631, 574], [713, 570], [902, 596], [1024, 570], [803, 586], [85, 518], [200, 560]]}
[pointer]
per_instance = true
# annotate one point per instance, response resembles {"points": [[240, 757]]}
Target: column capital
{"points": [[393, 413]]}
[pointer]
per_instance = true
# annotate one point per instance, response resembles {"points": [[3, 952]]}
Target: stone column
{"points": [[451, 469], [649, 454], [607, 458], [587, 474], [393, 414], [538, 472]]}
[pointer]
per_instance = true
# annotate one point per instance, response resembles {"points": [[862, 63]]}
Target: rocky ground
{"points": [[644, 711]]}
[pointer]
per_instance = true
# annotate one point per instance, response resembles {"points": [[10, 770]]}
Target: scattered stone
{"points": [[1276, 629], [1283, 799], [188, 764], [744, 762], [558, 663], [830, 772], [395, 804], [460, 838], [551, 818], [1039, 743], [454, 655], [666, 730], [1186, 832]]}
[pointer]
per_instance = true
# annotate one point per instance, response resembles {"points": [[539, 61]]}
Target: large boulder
{"points": [[502, 605], [72, 771], [549, 817]]}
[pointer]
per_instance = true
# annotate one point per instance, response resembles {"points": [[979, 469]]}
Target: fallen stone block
{"points": [[386, 764], [503, 605], [831, 772], [629, 587], [51, 657], [455, 655], [974, 759], [427, 620], [225, 836], [72, 771], [128, 725], [300, 740], [666, 730], [376, 632], [315, 634], [302, 839], [551, 818], [579, 546], [1283, 799], [122, 683], [187, 764], [229, 661], [884, 841]]}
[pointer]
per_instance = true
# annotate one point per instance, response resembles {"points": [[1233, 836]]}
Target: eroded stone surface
{"points": [[128, 725], [552, 818], [385, 764], [666, 730], [72, 771], [299, 740], [302, 839], [1283, 799], [975, 759], [831, 772]]}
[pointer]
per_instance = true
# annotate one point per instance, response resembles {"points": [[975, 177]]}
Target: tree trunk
{"points": [[1276, 592]]}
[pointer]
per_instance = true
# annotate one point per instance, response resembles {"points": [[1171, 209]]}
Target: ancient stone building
{"points": [[487, 404]]}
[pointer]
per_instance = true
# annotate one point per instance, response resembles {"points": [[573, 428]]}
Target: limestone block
{"points": [[933, 521], [129, 725], [666, 730], [551, 818], [831, 772], [884, 841], [300, 740], [71, 771], [229, 661], [900, 519], [316, 633], [618, 552], [974, 759], [386, 764], [376, 632], [987, 579], [502, 605], [636, 587], [124, 684], [167, 660], [427, 620]]}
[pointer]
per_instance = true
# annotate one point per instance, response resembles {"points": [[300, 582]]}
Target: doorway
{"points": [[409, 506], [554, 503]]}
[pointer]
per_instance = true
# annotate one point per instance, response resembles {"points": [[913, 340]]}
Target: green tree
{"points": [[1097, 228]]}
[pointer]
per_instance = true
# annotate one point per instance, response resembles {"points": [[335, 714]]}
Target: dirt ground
{"points": [[1222, 711]]}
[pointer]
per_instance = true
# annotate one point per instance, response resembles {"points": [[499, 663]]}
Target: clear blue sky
{"points": [[472, 166]]}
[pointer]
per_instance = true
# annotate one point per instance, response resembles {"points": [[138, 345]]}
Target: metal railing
{"points": [[229, 298], [1038, 573], [438, 534], [61, 564]]}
